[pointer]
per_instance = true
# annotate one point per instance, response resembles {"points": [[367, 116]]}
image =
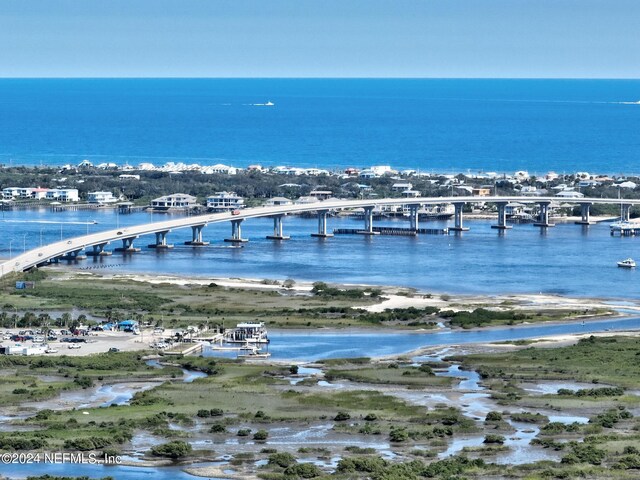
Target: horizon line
{"points": [[73, 77]]}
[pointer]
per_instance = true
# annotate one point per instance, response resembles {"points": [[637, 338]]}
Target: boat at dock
{"points": [[627, 263], [248, 333], [252, 351]]}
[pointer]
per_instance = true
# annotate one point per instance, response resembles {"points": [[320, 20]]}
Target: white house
{"points": [[33, 193], [176, 200], [10, 193], [224, 202], [380, 170], [278, 201], [129, 176], [314, 172], [306, 200], [401, 186], [569, 194], [628, 184], [101, 197], [221, 169], [368, 173], [63, 194]]}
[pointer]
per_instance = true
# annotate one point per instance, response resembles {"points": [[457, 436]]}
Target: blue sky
{"points": [[327, 38]]}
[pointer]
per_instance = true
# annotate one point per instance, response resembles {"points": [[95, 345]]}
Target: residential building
{"points": [[63, 194], [224, 202], [321, 194], [176, 200], [101, 197], [481, 191], [401, 186], [10, 193], [278, 201]]}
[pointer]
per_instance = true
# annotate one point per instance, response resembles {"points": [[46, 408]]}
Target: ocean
{"points": [[429, 125]]}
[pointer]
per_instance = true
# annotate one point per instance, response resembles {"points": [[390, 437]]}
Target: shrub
{"points": [[341, 417], [493, 438], [371, 417], [261, 435], [282, 459], [398, 435], [244, 432], [218, 428], [303, 470], [493, 417], [176, 449]]}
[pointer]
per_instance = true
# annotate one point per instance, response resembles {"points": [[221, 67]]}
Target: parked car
{"points": [[114, 350]]}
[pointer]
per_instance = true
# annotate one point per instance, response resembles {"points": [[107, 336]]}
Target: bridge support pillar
{"points": [[127, 246], [72, 256], [368, 222], [277, 229], [322, 225], [413, 217], [625, 212], [459, 226], [543, 216], [502, 216], [98, 251], [584, 214], [161, 241], [236, 232], [196, 237]]}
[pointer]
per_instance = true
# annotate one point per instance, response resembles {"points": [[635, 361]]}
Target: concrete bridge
{"points": [[94, 244]]}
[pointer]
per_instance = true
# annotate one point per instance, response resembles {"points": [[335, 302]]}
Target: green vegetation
{"points": [[608, 360], [174, 450]]}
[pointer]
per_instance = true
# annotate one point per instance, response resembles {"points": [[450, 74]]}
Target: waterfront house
{"points": [[278, 201], [63, 194], [225, 202], [10, 193], [101, 197], [176, 200]]}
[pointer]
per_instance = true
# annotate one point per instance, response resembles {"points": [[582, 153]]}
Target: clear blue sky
{"points": [[324, 38]]}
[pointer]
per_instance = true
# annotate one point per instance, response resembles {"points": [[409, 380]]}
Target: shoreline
{"points": [[389, 291]]}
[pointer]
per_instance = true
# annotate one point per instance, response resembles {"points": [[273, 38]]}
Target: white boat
{"points": [[249, 332], [269, 104], [627, 263], [251, 351]]}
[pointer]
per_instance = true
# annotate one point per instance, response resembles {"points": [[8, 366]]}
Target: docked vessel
{"points": [[252, 351], [627, 263], [248, 333]]}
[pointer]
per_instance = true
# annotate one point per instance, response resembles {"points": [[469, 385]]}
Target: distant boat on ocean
{"points": [[628, 263], [271, 104]]}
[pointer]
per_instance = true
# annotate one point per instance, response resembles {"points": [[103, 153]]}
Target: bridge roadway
{"points": [[73, 246]]}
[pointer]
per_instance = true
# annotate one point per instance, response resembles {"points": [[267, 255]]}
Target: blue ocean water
{"points": [[431, 125]]}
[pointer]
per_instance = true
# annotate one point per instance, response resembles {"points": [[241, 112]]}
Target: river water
{"points": [[567, 259], [315, 345]]}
